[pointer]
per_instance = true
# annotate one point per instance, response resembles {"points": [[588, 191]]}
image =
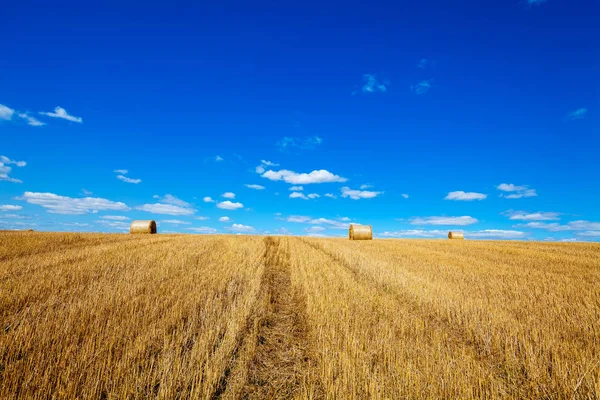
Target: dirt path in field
{"points": [[281, 357], [272, 358]]}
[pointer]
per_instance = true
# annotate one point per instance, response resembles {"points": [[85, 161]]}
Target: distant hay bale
{"points": [[30, 230], [143, 226], [456, 235], [360, 232]]}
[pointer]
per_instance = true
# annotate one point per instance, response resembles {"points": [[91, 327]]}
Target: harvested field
{"points": [[249, 317]]}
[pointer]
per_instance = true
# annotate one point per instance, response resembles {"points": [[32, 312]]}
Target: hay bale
{"points": [[360, 232], [456, 235], [30, 230], [142, 226]]}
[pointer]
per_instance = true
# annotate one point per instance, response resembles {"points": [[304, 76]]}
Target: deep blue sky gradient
{"points": [[164, 88]]}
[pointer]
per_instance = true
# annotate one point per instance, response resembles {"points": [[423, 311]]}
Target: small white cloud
{"points": [[416, 233], [115, 217], [363, 187], [330, 223], [260, 169], [228, 195], [298, 195], [239, 228], [121, 171], [296, 188], [10, 207], [6, 113], [405, 195], [228, 205], [535, 2], [577, 114], [316, 176], [175, 222], [56, 204], [287, 143], [422, 87], [8, 161], [86, 192], [298, 218], [313, 196], [465, 196], [344, 219], [31, 120], [170, 199], [224, 219], [128, 180], [536, 216], [495, 234], [203, 229], [218, 158], [425, 63], [516, 192], [168, 209], [456, 221], [314, 229], [255, 187], [589, 234], [372, 85], [60, 112], [579, 225], [269, 163], [201, 218], [331, 195], [358, 194], [208, 200]]}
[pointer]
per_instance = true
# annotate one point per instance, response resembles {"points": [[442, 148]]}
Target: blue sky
{"points": [[299, 117]]}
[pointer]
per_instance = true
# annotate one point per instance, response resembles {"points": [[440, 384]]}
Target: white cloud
{"points": [[60, 112], [457, 221], [6, 113], [424, 63], [260, 169], [269, 163], [255, 187], [313, 196], [298, 218], [121, 171], [31, 120], [422, 87], [416, 233], [128, 180], [12, 216], [405, 195], [536, 216], [86, 192], [115, 217], [170, 199], [495, 234], [363, 187], [201, 218], [358, 194], [73, 206], [8, 161], [296, 188], [5, 170], [175, 222], [117, 225], [330, 223], [517, 192], [298, 195], [314, 229], [287, 142], [224, 219], [208, 200], [331, 195], [241, 228], [9, 207], [203, 229], [579, 225], [228, 205], [465, 196], [228, 195], [168, 209], [372, 85], [591, 234], [344, 219], [218, 158], [535, 2], [577, 114], [316, 176]]}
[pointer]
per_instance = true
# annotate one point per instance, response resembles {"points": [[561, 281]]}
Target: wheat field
{"points": [[91, 316]]}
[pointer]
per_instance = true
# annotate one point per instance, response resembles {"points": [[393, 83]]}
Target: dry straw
{"points": [[360, 232], [456, 235], [142, 226]]}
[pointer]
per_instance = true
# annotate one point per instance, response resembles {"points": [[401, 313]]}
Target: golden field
{"points": [[93, 316]]}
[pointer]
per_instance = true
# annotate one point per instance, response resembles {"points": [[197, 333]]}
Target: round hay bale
{"points": [[360, 232], [456, 235], [30, 230], [142, 226]]}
